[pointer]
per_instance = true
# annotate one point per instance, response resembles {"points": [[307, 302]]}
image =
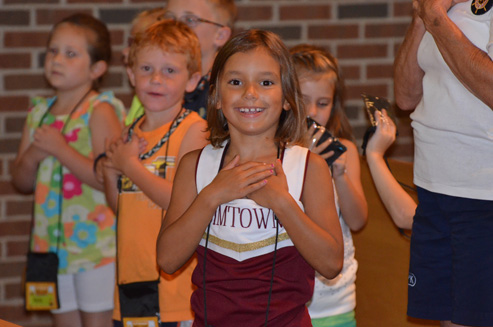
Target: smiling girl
{"points": [[253, 204]]}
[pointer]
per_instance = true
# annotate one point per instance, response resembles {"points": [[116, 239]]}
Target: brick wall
{"points": [[363, 34]]}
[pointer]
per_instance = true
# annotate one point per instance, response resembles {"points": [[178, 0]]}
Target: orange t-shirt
{"points": [[138, 224]]}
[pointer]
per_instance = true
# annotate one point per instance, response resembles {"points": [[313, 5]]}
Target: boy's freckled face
{"points": [[160, 78]]}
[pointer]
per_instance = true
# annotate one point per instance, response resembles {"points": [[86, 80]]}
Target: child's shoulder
{"points": [[38, 107], [108, 97], [39, 102], [192, 117], [350, 145]]}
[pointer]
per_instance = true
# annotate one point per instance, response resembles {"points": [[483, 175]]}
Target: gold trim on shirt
{"points": [[245, 247]]}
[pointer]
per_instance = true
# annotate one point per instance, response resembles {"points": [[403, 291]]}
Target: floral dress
{"points": [[84, 235]]}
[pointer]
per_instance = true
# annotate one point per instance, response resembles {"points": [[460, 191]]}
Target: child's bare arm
{"points": [[125, 158], [103, 124], [316, 233], [26, 163], [110, 182], [194, 139], [189, 213], [347, 180], [400, 205]]}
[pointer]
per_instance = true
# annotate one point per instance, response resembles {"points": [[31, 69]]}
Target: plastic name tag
{"points": [[140, 322], [41, 296]]}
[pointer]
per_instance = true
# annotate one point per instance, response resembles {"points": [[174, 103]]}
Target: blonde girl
{"points": [[322, 87]]}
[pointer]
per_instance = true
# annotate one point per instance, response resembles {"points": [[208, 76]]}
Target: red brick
{"points": [[25, 82], [14, 17], [10, 164], [385, 30], [253, 13], [6, 188], [355, 91], [396, 47], [51, 16], [351, 72], [94, 1], [14, 228], [333, 31], [17, 248], [379, 71], [17, 2], [403, 9], [356, 51], [25, 39], [9, 146], [14, 103], [126, 98], [12, 269], [305, 12], [14, 291], [116, 59], [14, 124], [113, 80], [19, 207], [117, 37], [15, 60]]}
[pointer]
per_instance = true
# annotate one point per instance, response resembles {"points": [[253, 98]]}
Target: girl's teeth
{"points": [[248, 110]]}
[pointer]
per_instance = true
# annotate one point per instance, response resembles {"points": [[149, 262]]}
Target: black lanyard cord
{"points": [[273, 260], [60, 168]]}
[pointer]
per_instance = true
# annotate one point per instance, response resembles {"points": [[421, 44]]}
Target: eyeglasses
{"points": [[190, 19]]}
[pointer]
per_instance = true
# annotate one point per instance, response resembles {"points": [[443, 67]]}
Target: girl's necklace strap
{"points": [[70, 113]]}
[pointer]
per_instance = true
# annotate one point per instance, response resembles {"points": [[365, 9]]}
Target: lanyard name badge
{"points": [[139, 304], [41, 286], [41, 281], [139, 301]]}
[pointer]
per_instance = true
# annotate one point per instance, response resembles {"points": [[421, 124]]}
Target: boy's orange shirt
{"points": [[138, 225]]}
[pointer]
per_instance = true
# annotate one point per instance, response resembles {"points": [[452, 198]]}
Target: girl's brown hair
{"points": [[99, 42], [292, 126], [310, 59]]}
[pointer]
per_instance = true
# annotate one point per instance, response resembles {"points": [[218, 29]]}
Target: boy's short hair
{"points": [[145, 19], [292, 125], [170, 36], [226, 10]]}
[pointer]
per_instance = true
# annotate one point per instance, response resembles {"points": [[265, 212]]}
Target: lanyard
{"points": [[60, 168]]}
